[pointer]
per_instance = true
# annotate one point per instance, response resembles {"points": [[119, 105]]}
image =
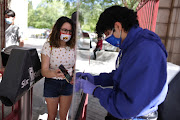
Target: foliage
{"points": [[89, 10], [46, 13]]}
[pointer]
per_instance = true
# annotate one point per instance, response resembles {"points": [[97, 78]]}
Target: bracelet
{"points": [[94, 90]]}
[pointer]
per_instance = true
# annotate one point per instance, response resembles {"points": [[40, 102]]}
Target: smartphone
{"points": [[66, 74]]}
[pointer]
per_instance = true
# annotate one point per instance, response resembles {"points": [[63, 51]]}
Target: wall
{"points": [[168, 28], [20, 7]]}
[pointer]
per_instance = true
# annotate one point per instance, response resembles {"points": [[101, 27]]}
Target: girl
{"points": [[59, 49]]}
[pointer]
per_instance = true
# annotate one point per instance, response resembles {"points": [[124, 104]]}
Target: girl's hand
{"points": [[58, 73], [72, 81]]}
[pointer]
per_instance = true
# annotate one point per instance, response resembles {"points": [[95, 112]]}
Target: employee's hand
{"points": [[85, 85], [78, 74], [89, 77], [77, 85]]}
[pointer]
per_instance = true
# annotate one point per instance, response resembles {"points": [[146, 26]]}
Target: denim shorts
{"points": [[56, 88]]}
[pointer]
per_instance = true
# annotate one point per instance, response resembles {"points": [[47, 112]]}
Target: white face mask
{"points": [[65, 37], [9, 20]]}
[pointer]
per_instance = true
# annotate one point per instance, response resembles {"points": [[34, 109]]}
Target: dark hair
{"points": [[107, 19], [99, 35], [9, 13], [54, 36], [74, 17]]}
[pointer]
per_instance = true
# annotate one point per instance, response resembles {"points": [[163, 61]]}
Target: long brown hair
{"points": [[54, 36]]}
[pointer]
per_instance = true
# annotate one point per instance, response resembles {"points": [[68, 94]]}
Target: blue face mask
{"points": [[113, 40]]}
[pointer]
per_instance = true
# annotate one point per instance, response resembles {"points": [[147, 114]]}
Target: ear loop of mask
{"points": [[118, 60], [110, 34]]}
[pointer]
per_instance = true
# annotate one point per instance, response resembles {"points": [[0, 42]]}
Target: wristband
{"points": [[94, 90]]}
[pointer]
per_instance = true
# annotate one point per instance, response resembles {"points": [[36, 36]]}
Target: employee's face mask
{"points": [[113, 40], [65, 37], [9, 20]]}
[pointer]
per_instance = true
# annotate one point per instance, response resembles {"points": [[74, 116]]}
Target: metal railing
{"points": [[82, 108], [3, 6], [147, 11], [15, 113]]}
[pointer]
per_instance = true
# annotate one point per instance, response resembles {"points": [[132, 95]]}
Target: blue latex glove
{"points": [[77, 85], [89, 77], [78, 74], [86, 86]]}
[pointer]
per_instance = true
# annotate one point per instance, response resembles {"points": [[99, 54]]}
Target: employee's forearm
{"points": [[21, 43]]}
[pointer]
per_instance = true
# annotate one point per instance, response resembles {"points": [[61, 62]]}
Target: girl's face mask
{"points": [[65, 37], [113, 40]]}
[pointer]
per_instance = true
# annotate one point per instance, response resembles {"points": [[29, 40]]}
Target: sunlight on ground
{"points": [[43, 117]]}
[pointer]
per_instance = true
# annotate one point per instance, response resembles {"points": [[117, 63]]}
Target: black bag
{"points": [[21, 72], [6, 52]]}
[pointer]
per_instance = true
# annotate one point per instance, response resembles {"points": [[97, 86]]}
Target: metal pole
{"points": [[3, 25], [26, 106]]}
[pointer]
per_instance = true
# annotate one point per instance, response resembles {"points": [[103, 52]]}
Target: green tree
{"points": [[91, 9], [30, 14], [46, 14]]}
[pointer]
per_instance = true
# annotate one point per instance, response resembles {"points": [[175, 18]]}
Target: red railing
{"points": [[22, 110], [15, 114], [3, 6], [147, 11]]}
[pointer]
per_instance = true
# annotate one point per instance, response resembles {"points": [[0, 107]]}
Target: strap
{"points": [[51, 50]]}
